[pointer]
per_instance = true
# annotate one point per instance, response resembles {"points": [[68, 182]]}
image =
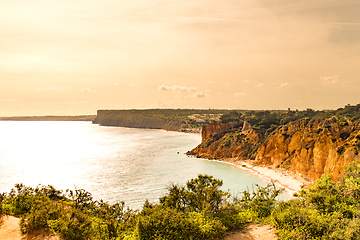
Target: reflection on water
{"points": [[115, 164]]}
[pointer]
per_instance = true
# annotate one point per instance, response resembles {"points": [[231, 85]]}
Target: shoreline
{"points": [[292, 183], [280, 177]]}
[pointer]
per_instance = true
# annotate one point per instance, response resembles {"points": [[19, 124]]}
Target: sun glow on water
{"points": [[114, 164]]}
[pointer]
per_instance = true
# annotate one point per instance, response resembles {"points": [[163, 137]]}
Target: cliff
{"points": [[227, 140], [306, 147], [132, 119], [312, 148]]}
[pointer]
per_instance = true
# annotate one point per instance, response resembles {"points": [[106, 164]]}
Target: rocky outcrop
{"points": [[131, 119], [210, 129], [227, 140], [312, 148], [309, 148]]}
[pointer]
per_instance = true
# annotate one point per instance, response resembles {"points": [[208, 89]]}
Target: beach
{"points": [[280, 177]]}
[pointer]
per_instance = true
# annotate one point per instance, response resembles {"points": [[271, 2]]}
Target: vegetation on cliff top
{"points": [[264, 120], [198, 210], [195, 118], [228, 139]]}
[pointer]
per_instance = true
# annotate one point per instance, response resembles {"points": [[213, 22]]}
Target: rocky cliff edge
{"points": [[309, 148]]}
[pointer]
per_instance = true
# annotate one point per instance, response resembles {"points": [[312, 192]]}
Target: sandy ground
{"points": [[10, 230], [280, 177], [253, 232]]}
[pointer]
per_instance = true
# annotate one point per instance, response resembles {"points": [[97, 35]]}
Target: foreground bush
{"points": [[72, 215], [328, 210], [197, 210]]}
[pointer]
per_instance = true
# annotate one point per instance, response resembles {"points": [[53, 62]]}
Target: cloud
{"points": [[210, 82], [177, 88], [8, 100], [283, 85], [239, 94], [200, 95], [346, 82], [87, 90], [259, 85], [330, 79], [51, 89], [116, 84]]}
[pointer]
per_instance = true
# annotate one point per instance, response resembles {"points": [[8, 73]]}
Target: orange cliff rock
{"points": [[312, 148], [309, 148], [227, 140]]}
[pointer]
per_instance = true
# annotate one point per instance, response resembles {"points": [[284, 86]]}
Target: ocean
{"points": [[113, 163]]}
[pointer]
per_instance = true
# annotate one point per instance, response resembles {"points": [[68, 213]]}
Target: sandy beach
{"points": [[281, 177]]}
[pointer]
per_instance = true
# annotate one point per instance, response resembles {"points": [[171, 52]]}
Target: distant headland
{"points": [[182, 120], [50, 118]]}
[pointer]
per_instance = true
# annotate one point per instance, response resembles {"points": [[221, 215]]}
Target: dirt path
{"points": [[10, 230], [254, 232]]}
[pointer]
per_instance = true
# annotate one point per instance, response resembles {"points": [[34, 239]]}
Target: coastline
{"points": [[280, 177]]}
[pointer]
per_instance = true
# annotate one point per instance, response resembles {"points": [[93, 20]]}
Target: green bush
{"points": [[207, 226], [200, 194], [328, 210], [162, 223], [261, 200], [197, 210]]}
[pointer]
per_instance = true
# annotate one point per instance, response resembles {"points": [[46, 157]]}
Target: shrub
{"points": [[328, 210], [162, 223], [261, 201], [199, 194]]}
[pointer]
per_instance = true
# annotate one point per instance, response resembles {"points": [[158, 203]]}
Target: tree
{"points": [[199, 194]]}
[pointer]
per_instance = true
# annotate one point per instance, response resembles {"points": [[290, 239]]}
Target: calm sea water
{"points": [[113, 163]]}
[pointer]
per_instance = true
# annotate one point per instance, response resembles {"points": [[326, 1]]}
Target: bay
{"points": [[113, 163]]}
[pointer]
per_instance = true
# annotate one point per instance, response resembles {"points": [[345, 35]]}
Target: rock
{"points": [[311, 148], [304, 147]]}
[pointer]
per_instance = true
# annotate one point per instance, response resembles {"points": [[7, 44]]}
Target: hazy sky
{"points": [[70, 57]]}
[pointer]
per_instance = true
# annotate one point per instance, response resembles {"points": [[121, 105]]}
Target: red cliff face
{"points": [[312, 148], [227, 140], [309, 148], [212, 128]]}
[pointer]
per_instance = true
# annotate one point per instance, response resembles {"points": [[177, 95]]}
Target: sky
{"points": [[72, 57]]}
